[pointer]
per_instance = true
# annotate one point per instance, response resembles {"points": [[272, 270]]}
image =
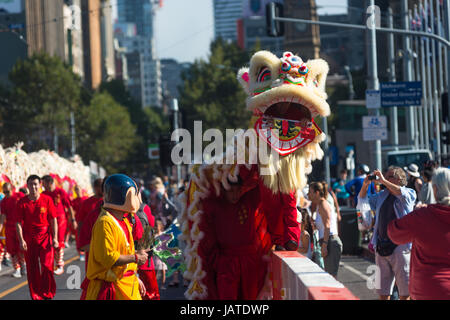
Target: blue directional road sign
{"points": [[401, 94]]}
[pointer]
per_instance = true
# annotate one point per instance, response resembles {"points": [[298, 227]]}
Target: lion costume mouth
{"points": [[287, 126]]}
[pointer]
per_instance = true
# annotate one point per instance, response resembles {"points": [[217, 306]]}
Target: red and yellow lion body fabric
{"points": [[228, 244]]}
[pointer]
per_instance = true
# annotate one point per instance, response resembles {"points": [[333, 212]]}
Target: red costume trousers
{"points": [[12, 246], [59, 253], [39, 258], [148, 277], [239, 273]]}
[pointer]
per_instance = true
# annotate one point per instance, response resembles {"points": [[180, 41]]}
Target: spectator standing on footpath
{"points": [[35, 214], [394, 202], [8, 221], [339, 189], [326, 223], [428, 228], [426, 195], [414, 181], [62, 202]]}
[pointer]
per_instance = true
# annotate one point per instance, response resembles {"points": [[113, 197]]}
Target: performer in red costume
{"points": [[90, 203], [76, 205], [62, 202], [144, 218], [35, 214], [235, 242], [7, 220]]}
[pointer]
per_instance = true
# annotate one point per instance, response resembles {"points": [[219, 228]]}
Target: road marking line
{"points": [[351, 269], [20, 285]]}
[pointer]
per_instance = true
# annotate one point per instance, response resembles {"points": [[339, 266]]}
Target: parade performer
{"points": [[62, 202], [285, 95], [113, 262], [35, 214], [7, 220]]}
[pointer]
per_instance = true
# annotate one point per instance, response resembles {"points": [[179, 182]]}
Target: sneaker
{"points": [[163, 287], [82, 257], [59, 271], [17, 274]]}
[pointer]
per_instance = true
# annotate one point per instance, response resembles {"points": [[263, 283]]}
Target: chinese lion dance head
{"points": [[285, 95]]}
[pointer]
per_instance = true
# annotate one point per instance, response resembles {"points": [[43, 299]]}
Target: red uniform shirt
{"points": [[89, 205], [60, 200], [8, 207], [77, 204], [35, 216]]}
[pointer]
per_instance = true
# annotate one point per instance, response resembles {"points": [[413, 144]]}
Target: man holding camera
{"points": [[394, 202]]}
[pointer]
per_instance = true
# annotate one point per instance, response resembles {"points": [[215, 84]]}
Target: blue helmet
{"points": [[120, 192]]}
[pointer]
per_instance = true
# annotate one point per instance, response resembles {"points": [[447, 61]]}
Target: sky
{"points": [[185, 28]]}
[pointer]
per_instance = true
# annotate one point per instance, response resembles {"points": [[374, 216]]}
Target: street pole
{"points": [[419, 77], [393, 110], [407, 71], [447, 31], [175, 128], [373, 72], [429, 107], [415, 77], [72, 131], [436, 101]]}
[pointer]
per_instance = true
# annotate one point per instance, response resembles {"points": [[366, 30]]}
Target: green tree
{"points": [[105, 133], [43, 92]]}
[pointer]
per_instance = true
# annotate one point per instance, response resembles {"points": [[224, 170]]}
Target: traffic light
{"points": [[274, 28], [445, 137], [165, 150]]}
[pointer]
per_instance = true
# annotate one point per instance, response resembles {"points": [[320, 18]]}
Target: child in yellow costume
{"points": [[113, 261]]}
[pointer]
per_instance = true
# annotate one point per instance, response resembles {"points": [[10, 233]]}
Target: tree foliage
{"points": [[43, 92], [106, 134]]}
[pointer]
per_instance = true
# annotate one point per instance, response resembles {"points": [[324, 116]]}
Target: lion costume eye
{"points": [[264, 74]]}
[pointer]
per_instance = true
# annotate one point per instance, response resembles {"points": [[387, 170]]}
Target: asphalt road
{"points": [[354, 272]]}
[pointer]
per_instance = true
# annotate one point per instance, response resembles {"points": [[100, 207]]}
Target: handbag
{"points": [[385, 247], [364, 214]]}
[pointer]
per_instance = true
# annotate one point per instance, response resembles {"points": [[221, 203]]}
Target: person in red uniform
{"points": [[90, 203], [34, 216], [7, 220], [233, 248], [62, 202], [146, 271], [76, 205]]}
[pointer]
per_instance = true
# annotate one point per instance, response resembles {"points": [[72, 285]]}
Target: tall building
{"points": [[134, 32], [45, 27], [171, 74], [252, 28], [226, 15], [74, 36], [92, 43], [107, 33], [302, 38]]}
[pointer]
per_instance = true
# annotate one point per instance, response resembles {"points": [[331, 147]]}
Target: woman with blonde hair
{"points": [[428, 228]]}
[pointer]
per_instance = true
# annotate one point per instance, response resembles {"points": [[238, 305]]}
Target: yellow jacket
{"points": [[108, 242]]}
